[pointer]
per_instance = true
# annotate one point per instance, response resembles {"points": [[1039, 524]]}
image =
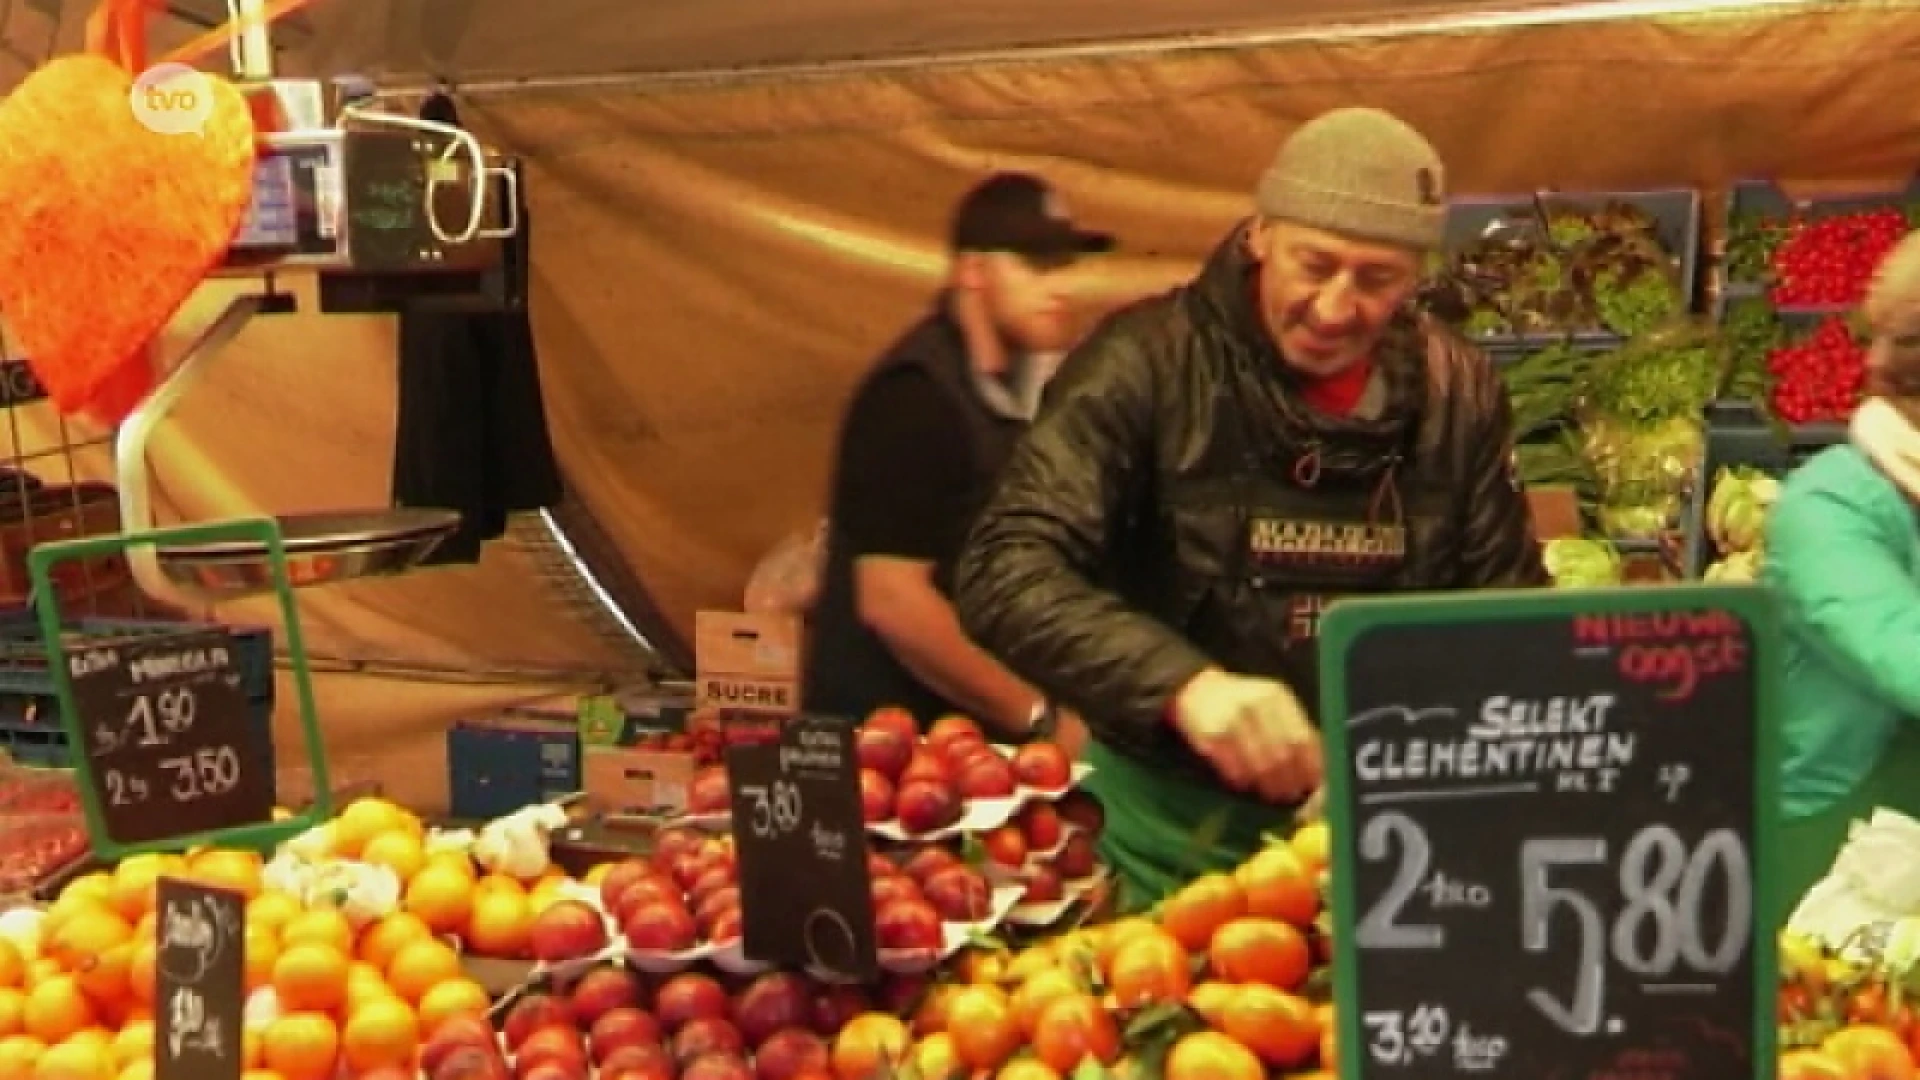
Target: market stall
{"points": [[694, 882]]}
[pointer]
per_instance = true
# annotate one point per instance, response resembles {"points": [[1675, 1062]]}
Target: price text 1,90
{"points": [[1665, 889]]}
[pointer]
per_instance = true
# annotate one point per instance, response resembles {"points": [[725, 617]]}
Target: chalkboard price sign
{"points": [[200, 968], [170, 746], [1552, 813], [805, 890]]}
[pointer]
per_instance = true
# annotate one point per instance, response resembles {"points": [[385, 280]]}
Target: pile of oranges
{"points": [[323, 993], [1225, 963]]}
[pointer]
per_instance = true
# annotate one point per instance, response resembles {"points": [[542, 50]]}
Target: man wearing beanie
{"points": [[1842, 543], [1214, 466], [922, 442]]}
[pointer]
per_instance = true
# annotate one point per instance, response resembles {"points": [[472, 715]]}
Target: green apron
{"points": [[1806, 846], [1163, 830]]}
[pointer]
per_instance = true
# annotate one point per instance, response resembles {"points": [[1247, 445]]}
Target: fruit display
{"points": [[706, 735], [1819, 376], [1849, 1013], [35, 845], [681, 906], [1818, 261], [332, 990], [1226, 979], [1554, 267], [950, 782], [37, 791]]}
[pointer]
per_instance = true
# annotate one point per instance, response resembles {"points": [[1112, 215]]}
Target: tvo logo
{"points": [[172, 99]]}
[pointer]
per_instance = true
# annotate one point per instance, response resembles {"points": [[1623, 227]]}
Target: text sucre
{"points": [[1511, 739]]}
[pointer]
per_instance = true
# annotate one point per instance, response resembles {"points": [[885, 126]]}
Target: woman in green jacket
{"points": [[1843, 557]]}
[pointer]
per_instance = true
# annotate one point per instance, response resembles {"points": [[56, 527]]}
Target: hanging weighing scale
{"points": [[165, 751]]}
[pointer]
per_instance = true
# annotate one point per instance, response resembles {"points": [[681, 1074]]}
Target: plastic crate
{"points": [[1764, 198], [1738, 436], [1676, 212], [498, 764], [23, 656], [31, 731]]}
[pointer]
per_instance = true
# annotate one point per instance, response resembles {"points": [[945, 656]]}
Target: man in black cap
{"points": [[919, 453]]}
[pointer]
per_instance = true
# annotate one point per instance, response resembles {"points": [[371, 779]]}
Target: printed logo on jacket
{"points": [[1278, 544]]}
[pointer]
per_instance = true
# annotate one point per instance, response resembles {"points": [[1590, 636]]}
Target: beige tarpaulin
{"points": [[715, 263]]}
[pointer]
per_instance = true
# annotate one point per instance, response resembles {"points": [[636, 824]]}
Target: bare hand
{"points": [[1254, 732], [1070, 733]]}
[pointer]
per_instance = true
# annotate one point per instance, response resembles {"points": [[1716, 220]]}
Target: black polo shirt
{"points": [[919, 452]]}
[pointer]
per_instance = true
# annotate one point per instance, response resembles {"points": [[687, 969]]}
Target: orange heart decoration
{"points": [[107, 226]]}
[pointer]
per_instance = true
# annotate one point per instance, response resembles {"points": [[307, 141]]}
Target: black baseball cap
{"points": [[1020, 213]]}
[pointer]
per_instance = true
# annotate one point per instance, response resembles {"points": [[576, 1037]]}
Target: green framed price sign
{"points": [[1553, 815], [168, 753]]}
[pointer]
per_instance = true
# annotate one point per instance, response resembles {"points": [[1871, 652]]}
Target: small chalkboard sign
{"points": [[200, 967], [170, 747], [385, 197], [806, 894], [1552, 815]]}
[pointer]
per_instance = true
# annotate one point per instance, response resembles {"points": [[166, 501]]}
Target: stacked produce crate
{"points": [[1794, 273], [1577, 297]]}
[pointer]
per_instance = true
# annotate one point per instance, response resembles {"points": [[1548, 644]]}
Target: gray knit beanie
{"points": [[1363, 173]]}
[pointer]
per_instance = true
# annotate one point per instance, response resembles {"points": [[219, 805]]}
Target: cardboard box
{"points": [[624, 780], [1555, 510], [747, 663]]}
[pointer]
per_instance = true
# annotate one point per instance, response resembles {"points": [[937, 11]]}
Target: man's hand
{"points": [[1070, 732], [1254, 732]]}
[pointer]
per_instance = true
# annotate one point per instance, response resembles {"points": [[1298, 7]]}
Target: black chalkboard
{"points": [[805, 892], [171, 749], [385, 197], [1551, 814], [200, 997]]}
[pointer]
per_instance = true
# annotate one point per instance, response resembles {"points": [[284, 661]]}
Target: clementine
{"points": [[380, 942], [451, 998], [1032, 997], [380, 1033], [1149, 968], [442, 898], [13, 966], [1209, 1055], [1257, 950], [1312, 844], [501, 924], [1810, 1065], [1202, 906], [1275, 1025], [980, 1019], [310, 977], [1279, 886], [319, 926], [301, 1046], [236, 870], [869, 1046], [74, 1061], [419, 966], [934, 1056], [1869, 1052], [56, 1009], [18, 1053], [1026, 1068], [1209, 999], [13, 1012], [1074, 1029], [399, 852]]}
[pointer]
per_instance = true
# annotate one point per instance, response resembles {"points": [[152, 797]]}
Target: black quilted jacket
{"points": [[1112, 566]]}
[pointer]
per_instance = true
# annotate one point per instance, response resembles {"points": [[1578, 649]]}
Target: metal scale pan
{"points": [[321, 548]]}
